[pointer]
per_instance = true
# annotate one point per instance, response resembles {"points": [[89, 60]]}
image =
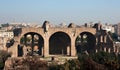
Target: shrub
{"points": [[34, 63], [56, 67], [112, 65], [72, 65], [102, 57], [27, 63], [3, 57]]}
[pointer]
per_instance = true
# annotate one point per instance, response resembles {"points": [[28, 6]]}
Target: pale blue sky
{"points": [[57, 11]]}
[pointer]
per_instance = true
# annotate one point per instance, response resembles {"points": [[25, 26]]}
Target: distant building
{"points": [[1, 43], [108, 28], [89, 24], [118, 29], [115, 28], [4, 37]]}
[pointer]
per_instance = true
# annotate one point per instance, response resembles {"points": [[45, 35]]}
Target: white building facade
{"points": [[108, 28], [4, 37]]}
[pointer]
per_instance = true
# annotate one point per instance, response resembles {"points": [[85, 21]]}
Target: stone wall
{"points": [[28, 63], [71, 32]]}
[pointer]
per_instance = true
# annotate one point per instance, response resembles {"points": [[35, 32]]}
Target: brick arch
{"points": [[90, 42], [60, 32], [67, 33], [35, 45], [22, 34], [62, 43], [87, 32], [39, 31], [71, 32], [30, 33], [90, 30]]}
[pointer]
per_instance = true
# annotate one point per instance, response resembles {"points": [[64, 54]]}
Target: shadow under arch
{"points": [[31, 43], [85, 41], [59, 44]]}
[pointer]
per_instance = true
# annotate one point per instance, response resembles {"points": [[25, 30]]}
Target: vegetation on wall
{"points": [[93, 61]]}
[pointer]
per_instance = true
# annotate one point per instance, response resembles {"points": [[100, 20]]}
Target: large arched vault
{"points": [[54, 41], [33, 42], [85, 41], [59, 44]]}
